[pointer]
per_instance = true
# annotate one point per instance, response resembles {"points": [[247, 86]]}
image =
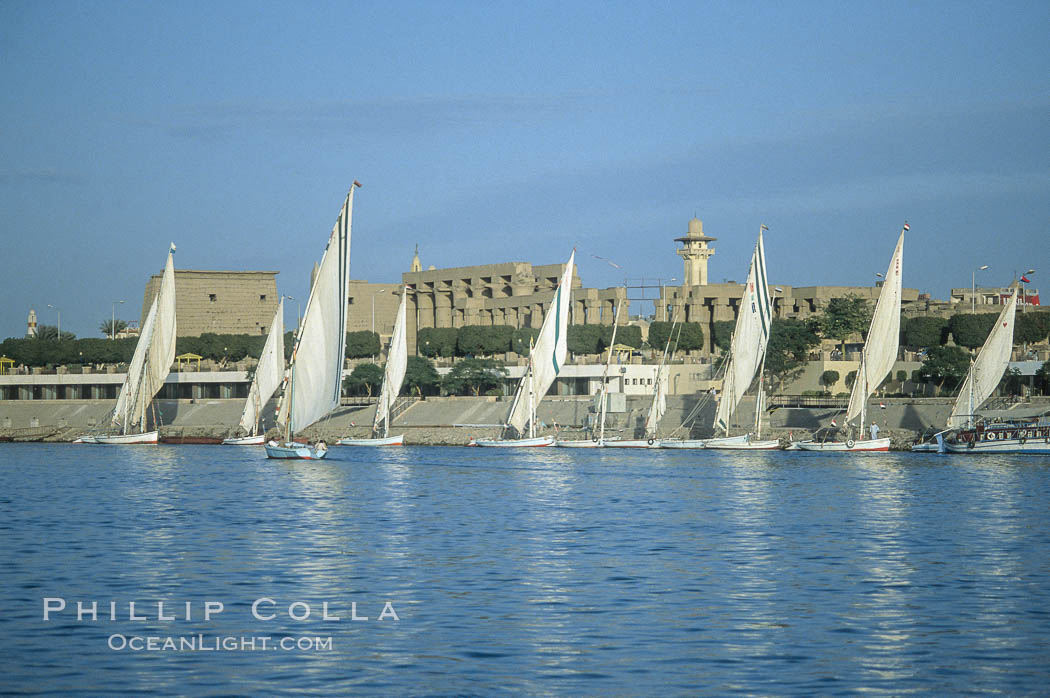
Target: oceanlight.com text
{"points": [[217, 643]]}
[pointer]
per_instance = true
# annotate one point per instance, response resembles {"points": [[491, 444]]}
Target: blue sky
{"points": [[504, 131]]}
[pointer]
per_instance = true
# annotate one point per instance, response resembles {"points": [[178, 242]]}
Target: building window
{"points": [[262, 296], [351, 301], [211, 297]]}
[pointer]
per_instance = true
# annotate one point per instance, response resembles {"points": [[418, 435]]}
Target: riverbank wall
{"points": [[453, 421]]}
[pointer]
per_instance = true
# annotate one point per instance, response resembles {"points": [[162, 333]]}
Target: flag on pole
{"points": [[1025, 279], [906, 226]]}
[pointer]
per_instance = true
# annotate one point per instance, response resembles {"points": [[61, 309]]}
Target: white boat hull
{"points": [[849, 446], [579, 443], [398, 440], [633, 443], [86, 439], [742, 443], [682, 443], [928, 447], [149, 437], [295, 451], [257, 440], [1000, 446], [535, 442]]}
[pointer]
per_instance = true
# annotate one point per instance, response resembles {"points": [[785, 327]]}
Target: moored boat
{"points": [[393, 378], [149, 367], [877, 358], [546, 357], [315, 376]]}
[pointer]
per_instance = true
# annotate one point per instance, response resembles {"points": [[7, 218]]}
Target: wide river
{"points": [[539, 571]]}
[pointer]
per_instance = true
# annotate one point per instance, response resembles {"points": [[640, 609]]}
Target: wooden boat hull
{"points": [[295, 452], [257, 440], [535, 442], [149, 437], [849, 446], [398, 440]]}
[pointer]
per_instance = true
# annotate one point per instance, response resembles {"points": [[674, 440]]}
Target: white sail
{"points": [[988, 369], [548, 354], [316, 373], [396, 365], [659, 404], [880, 349], [268, 373], [153, 356], [749, 338]]}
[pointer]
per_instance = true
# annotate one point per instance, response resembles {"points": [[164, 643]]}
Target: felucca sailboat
{"points": [[393, 377], [148, 369], [602, 400], [269, 373], [316, 373], [657, 407], [546, 358], [877, 358]]}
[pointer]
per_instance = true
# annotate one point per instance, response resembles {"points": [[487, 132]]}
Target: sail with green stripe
{"points": [[750, 337], [548, 353]]}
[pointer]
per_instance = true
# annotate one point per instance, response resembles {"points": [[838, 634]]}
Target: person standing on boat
{"points": [[874, 431]]}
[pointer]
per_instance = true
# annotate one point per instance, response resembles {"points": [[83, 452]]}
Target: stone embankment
{"points": [[452, 421]]}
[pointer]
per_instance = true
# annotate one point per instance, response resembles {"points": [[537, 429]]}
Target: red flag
{"points": [[1025, 279], [907, 227], [357, 184]]}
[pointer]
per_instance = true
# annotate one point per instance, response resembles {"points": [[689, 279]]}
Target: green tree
{"points": [[687, 335], [473, 376], [364, 379], [49, 333], [421, 377], [627, 335], [1013, 382], [829, 378], [945, 366], [924, 331], [970, 331], [483, 340], [789, 344], [111, 327], [1032, 327], [1042, 377], [851, 378], [722, 333], [522, 338], [844, 317], [584, 339], [437, 341], [361, 344]]}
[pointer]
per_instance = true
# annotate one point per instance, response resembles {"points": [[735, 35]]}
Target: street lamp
{"points": [[1024, 291], [663, 296], [113, 321], [973, 288], [299, 311], [59, 320]]}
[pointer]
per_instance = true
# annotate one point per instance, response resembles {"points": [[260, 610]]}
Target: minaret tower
{"points": [[31, 324], [416, 266], [695, 253]]}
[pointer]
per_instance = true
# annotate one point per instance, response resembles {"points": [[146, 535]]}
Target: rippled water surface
{"points": [[550, 571]]}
